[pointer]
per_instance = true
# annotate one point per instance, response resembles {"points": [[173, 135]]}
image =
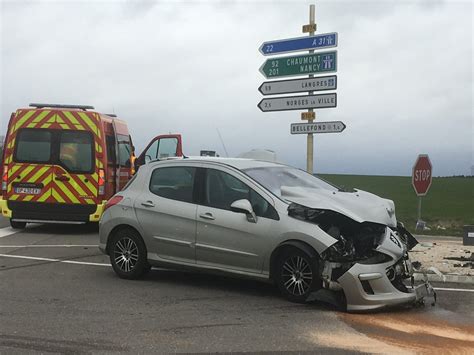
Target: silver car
{"points": [[266, 221]]}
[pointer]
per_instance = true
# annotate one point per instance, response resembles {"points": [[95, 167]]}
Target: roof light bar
{"points": [[81, 107]]}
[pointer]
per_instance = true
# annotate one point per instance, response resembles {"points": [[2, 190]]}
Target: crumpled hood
{"points": [[360, 205]]}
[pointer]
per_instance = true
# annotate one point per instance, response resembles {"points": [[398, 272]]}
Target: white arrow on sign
{"points": [[320, 83], [298, 102], [317, 127]]}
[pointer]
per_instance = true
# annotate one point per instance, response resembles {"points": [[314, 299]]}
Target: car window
{"points": [[222, 189], [125, 150], [33, 145], [110, 143], [75, 151], [152, 152], [175, 183], [167, 147]]}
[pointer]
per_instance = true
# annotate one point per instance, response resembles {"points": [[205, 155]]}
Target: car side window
{"points": [[222, 189], [152, 152], [175, 183]]}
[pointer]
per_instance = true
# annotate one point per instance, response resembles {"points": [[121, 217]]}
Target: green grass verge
{"points": [[449, 203]]}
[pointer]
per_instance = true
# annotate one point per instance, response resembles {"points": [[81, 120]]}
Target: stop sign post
{"points": [[421, 178]]}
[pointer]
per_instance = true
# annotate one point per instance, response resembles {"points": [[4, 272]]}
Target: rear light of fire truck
{"points": [[5, 178], [101, 182]]}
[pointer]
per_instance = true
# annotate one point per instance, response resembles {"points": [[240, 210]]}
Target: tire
{"points": [[128, 254], [297, 275], [17, 225]]}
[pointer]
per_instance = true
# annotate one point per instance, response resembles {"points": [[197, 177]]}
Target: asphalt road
{"points": [[58, 294]]}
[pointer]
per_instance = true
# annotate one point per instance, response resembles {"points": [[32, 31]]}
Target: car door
{"points": [[224, 238], [163, 146], [167, 213]]}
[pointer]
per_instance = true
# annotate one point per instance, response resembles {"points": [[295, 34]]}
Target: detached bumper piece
{"points": [[367, 287], [424, 291]]}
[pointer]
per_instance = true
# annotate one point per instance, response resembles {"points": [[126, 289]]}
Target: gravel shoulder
{"points": [[447, 254]]}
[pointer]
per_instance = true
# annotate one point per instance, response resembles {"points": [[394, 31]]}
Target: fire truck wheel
{"points": [[128, 254], [17, 225]]}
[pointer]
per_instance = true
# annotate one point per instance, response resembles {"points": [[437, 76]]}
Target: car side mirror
{"points": [[244, 206]]}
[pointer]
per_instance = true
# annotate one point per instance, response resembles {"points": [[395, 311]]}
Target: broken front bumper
{"points": [[367, 287]]}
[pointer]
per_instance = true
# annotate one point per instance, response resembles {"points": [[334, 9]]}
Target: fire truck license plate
{"points": [[28, 190]]}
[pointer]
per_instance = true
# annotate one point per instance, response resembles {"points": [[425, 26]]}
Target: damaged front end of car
{"points": [[369, 263]]}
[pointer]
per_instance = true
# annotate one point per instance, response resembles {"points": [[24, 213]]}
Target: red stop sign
{"points": [[421, 177]]}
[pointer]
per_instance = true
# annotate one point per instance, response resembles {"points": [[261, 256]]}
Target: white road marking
{"points": [[53, 260], [5, 232], [50, 246], [453, 289]]}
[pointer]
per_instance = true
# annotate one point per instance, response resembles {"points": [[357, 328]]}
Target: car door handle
{"points": [[62, 178], [207, 215], [148, 204]]}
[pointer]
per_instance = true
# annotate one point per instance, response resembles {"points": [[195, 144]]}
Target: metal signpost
{"points": [[304, 64], [320, 83], [317, 127], [421, 178], [300, 65], [287, 103]]}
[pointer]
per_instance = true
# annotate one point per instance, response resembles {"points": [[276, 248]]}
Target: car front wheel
{"points": [[128, 254], [297, 275]]}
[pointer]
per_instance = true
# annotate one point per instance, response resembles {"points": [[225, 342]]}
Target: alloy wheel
{"points": [[126, 254], [297, 275]]}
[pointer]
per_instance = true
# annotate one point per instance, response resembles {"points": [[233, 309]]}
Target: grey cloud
{"points": [[405, 75]]}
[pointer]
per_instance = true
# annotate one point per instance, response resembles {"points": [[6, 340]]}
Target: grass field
{"points": [[448, 204]]}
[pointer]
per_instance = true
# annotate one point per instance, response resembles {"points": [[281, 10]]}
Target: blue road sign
{"points": [[325, 40]]}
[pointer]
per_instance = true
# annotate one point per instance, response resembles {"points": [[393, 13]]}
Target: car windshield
{"points": [[273, 178]]}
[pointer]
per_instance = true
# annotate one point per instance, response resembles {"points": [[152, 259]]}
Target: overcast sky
{"points": [[405, 75]]}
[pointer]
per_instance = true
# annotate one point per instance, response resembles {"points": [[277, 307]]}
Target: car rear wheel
{"points": [[128, 254], [297, 275], [17, 225]]}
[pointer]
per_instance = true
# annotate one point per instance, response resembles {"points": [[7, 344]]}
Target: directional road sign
{"points": [[421, 176], [324, 62], [325, 40], [317, 127], [319, 83], [298, 102]]}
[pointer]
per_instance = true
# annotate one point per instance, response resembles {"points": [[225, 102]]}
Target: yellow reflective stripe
{"points": [[13, 197], [71, 118], [28, 198], [88, 121], [46, 125], [43, 197], [89, 201], [27, 171], [78, 188], [64, 126], [57, 196], [38, 119], [38, 174], [91, 187], [23, 120], [68, 193], [13, 169], [95, 177]]}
